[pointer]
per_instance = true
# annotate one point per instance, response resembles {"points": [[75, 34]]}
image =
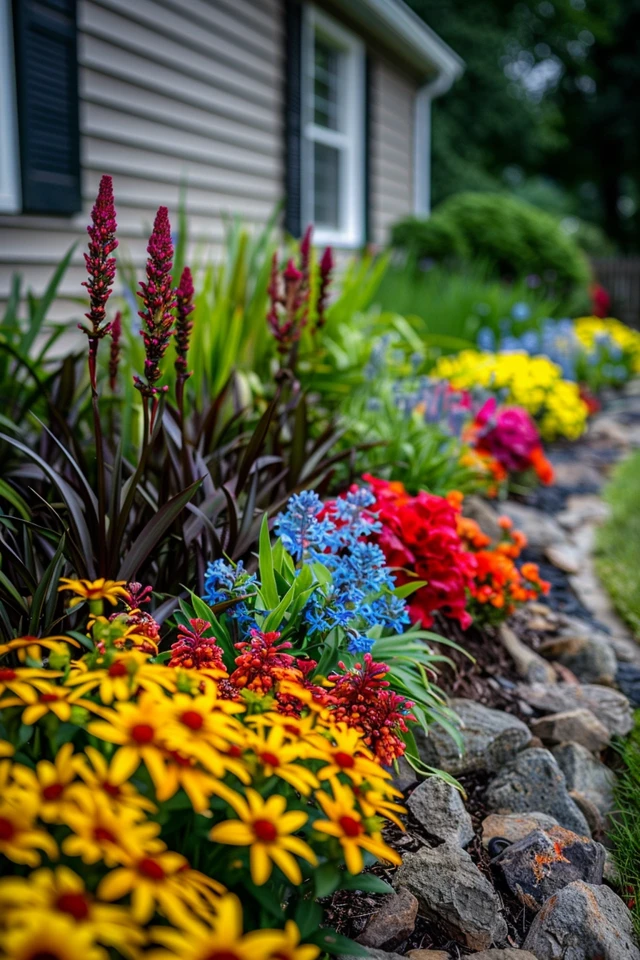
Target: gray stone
{"points": [[451, 890], [484, 515], [490, 737], [578, 725], [587, 775], [583, 922], [514, 826], [582, 508], [540, 529], [544, 862], [438, 808], [564, 556], [533, 782], [609, 706], [607, 429], [509, 954], [589, 811], [392, 923], [528, 663], [590, 658], [574, 473]]}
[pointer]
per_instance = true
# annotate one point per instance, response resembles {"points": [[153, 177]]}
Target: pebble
{"points": [[579, 726]]}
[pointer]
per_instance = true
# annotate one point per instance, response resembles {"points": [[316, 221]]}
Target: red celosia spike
{"points": [[184, 326], [101, 267], [326, 269], [158, 299]]}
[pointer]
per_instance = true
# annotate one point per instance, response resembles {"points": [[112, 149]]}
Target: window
{"points": [[333, 123], [9, 150]]}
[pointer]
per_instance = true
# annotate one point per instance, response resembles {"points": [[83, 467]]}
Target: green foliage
{"points": [[447, 309], [618, 542], [514, 238], [625, 826]]}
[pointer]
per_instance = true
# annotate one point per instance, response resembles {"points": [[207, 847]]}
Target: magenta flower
{"points": [[158, 298], [326, 269], [510, 435], [101, 267]]}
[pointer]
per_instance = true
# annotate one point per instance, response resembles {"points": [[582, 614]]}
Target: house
{"points": [[324, 104]]}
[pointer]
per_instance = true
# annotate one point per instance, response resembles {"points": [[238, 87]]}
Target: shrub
{"points": [[517, 239]]}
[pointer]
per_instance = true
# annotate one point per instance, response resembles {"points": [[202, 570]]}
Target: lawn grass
{"points": [[625, 831], [618, 542]]}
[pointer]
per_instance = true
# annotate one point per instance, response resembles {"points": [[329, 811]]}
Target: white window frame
{"points": [[10, 196], [350, 139]]}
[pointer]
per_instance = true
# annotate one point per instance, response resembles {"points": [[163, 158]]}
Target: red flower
{"points": [[420, 534], [361, 699], [194, 651]]}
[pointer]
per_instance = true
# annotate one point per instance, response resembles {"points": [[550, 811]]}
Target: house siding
{"points": [[392, 120], [171, 92]]}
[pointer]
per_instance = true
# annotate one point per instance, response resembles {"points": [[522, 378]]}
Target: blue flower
{"points": [[360, 644], [300, 530], [521, 312], [486, 339]]}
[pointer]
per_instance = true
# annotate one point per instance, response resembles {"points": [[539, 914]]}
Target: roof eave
{"points": [[402, 30]]}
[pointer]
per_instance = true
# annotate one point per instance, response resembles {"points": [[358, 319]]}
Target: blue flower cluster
{"points": [[359, 596], [556, 339], [223, 582]]}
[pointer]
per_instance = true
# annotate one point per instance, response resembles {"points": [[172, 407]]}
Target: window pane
{"points": [[326, 185], [325, 84]]}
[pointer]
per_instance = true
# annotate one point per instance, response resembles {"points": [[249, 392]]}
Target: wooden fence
{"points": [[620, 276]]}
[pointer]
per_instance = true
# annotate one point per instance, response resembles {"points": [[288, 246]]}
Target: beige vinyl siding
{"points": [[392, 144], [171, 91]]}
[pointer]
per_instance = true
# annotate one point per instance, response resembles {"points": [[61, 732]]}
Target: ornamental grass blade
{"points": [[154, 531]]}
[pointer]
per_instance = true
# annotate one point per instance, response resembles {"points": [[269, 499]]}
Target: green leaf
{"points": [[337, 944], [367, 883], [408, 588], [265, 898], [49, 581], [14, 499], [267, 570], [327, 878], [274, 619]]}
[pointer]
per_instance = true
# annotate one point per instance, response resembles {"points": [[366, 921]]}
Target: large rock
{"points": [[546, 861], [583, 922], [587, 775], [514, 826], [583, 508], [628, 679], [609, 706], [490, 737], [578, 725], [590, 658], [451, 890], [564, 556], [540, 529], [533, 782], [438, 808], [392, 923]]}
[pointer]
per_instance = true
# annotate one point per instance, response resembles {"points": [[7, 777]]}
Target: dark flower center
{"points": [[265, 831], [117, 669], [192, 719], [53, 791], [344, 760], [142, 733], [270, 759], [73, 903], [350, 826], [151, 869], [7, 829]]}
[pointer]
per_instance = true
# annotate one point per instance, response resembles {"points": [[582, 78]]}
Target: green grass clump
{"points": [[625, 830], [618, 543]]}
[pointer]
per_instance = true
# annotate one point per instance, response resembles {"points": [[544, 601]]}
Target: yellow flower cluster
{"points": [[534, 383], [589, 329], [145, 733]]}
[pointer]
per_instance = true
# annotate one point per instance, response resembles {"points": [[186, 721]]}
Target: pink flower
{"points": [[510, 436], [184, 326]]}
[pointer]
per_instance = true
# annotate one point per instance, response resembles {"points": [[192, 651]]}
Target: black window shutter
{"points": [[47, 86], [366, 191], [293, 118]]}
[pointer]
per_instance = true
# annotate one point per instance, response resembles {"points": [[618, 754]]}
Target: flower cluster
{"points": [[419, 536], [113, 758], [498, 585], [509, 436], [589, 350], [533, 383], [101, 267]]}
